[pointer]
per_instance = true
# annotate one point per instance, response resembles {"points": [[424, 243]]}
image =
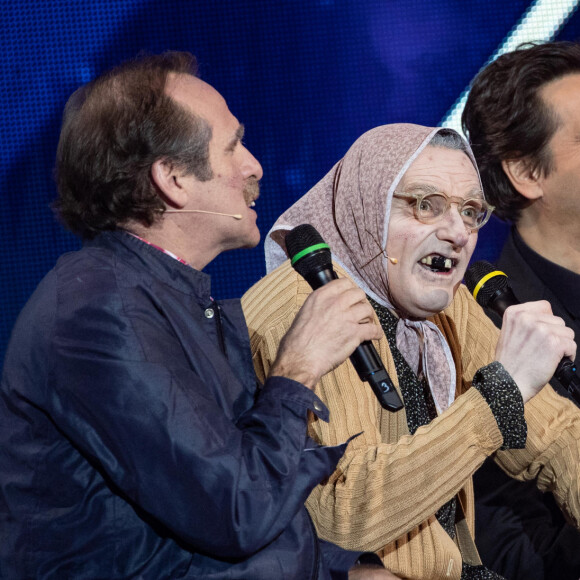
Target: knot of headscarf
{"points": [[426, 351], [350, 207]]}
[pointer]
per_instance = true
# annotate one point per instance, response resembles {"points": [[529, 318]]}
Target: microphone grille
{"points": [[301, 238], [497, 282]]}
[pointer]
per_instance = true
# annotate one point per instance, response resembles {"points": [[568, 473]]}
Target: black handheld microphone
{"points": [[310, 257], [491, 289]]}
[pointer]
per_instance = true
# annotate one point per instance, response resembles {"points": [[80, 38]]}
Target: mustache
{"points": [[251, 190]]}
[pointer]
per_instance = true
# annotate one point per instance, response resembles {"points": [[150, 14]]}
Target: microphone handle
{"points": [[566, 374], [365, 358]]}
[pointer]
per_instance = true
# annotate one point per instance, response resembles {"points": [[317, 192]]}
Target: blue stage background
{"points": [[306, 77]]}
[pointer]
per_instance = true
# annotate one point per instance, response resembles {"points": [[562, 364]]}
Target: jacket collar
{"points": [[536, 278], [142, 261]]}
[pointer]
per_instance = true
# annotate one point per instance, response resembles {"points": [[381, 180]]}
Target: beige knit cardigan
{"points": [[389, 484]]}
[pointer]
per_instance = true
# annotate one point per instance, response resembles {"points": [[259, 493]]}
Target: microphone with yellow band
{"points": [[490, 287]]}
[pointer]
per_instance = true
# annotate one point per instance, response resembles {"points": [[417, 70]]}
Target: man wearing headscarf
{"points": [[401, 213]]}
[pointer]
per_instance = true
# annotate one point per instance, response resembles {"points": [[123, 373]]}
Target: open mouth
{"points": [[250, 197], [438, 263]]}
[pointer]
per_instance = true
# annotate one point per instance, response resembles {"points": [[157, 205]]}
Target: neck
{"points": [[167, 237], [557, 242]]}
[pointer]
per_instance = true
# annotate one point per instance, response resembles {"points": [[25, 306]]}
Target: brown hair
{"points": [[505, 117], [114, 129]]}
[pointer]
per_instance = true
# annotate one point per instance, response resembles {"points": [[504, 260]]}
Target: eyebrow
{"points": [[238, 136]]}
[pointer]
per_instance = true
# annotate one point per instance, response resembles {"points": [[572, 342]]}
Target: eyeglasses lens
{"points": [[431, 207]]}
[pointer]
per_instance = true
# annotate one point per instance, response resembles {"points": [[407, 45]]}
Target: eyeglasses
{"points": [[430, 207]]}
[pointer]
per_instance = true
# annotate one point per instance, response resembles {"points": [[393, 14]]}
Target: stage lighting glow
{"points": [[540, 23]]}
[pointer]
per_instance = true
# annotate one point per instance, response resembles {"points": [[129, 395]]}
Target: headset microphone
{"points": [[236, 216], [310, 257], [491, 289]]}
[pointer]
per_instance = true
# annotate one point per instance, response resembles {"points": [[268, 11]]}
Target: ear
{"points": [[169, 183], [525, 180]]}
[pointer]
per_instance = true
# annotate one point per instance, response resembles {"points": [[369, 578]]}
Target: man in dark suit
{"points": [[523, 120]]}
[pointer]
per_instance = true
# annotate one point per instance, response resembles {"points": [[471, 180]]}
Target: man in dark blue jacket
{"points": [[134, 442]]}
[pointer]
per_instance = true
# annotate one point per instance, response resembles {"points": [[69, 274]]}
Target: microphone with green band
{"points": [[310, 256]]}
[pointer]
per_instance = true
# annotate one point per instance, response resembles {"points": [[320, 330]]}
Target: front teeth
{"points": [[428, 261]]}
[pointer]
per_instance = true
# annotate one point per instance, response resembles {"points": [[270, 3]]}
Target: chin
{"points": [[431, 304], [252, 242], [256, 239]]}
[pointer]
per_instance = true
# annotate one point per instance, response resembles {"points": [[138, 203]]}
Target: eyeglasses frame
{"points": [[449, 199]]}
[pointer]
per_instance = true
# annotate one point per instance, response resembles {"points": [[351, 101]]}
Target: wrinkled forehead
{"points": [[445, 169], [437, 166]]}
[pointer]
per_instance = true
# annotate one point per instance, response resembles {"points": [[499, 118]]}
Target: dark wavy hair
{"points": [[114, 129], [505, 117]]}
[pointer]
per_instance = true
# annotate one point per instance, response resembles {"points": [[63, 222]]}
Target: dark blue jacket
{"points": [[133, 440]]}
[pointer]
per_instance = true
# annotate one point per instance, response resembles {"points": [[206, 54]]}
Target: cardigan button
{"points": [[209, 313]]}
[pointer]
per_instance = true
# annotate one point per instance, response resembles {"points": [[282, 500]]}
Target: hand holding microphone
{"points": [[534, 345], [331, 323], [336, 319]]}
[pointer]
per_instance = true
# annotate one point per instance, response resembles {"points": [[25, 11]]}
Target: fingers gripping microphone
{"points": [[311, 258], [491, 289]]}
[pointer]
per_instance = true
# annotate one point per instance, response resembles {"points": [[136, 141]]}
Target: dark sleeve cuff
{"points": [[369, 559], [339, 561], [505, 401], [294, 392]]}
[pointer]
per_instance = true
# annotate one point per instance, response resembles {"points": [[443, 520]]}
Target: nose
{"points": [[251, 166], [452, 229]]}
